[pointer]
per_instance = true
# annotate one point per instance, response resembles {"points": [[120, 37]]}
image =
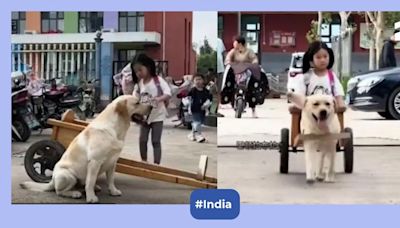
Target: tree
{"points": [[381, 21], [207, 58], [205, 48], [314, 33]]}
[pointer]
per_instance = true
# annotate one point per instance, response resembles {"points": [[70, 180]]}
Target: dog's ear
{"points": [[298, 99], [121, 107]]}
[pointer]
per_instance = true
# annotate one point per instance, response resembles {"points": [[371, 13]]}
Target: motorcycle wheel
{"points": [[22, 128], [239, 108]]}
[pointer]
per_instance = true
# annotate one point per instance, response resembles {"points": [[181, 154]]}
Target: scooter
{"points": [[240, 86], [87, 93]]}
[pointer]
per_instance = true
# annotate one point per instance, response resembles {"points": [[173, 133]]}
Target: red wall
{"points": [[230, 29], [285, 22], [178, 41]]}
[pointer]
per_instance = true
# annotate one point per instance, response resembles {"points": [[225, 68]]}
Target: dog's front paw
{"points": [[329, 179], [310, 181], [115, 192], [92, 199], [320, 178], [76, 195]]}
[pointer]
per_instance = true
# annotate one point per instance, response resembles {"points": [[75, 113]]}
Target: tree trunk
{"points": [[380, 20], [371, 37], [346, 44], [319, 24]]}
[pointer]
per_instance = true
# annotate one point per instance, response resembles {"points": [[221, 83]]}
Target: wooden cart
{"points": [[48, 152], [345, 143]]}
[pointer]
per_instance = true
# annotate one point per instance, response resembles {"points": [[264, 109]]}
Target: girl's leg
{"points": [[143, 139], [156, 132]]}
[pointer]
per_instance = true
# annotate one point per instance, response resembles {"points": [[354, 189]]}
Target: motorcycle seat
{"points": [[69, 101]]}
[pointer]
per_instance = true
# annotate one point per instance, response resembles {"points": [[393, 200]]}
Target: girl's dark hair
{"points": [[241, 40], [314, 48], [146, 61]]}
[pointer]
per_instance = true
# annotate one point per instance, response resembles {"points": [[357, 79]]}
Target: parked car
{"points": [[376, 91], [295, 68]]}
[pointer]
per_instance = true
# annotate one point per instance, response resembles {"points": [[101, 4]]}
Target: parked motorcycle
{"points": [[49, 100], [23, 119]]}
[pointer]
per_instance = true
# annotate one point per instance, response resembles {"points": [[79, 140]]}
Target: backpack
{"points": [[331, 82]]}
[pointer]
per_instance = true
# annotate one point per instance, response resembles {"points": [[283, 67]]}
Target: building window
{"points": [[126, 55], [52, 22], [220, 26], [131, 21], [90, 21], [18, 21]]}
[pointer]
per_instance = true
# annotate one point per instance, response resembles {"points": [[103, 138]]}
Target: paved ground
{"points": [[178, 152], [255, 173]]}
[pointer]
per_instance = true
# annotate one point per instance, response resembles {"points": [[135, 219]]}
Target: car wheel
{"points": [[386, 115], [394, 104]]}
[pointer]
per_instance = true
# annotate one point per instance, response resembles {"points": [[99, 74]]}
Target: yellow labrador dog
{"points": [[318, 117], [94, 151]]}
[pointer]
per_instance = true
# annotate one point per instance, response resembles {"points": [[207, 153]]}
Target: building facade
{"points": [[276, 35], [63, 43]]}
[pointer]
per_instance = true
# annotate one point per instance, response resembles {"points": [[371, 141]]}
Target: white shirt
{"points": [[318, 84], [147, 93], [220, 57]]}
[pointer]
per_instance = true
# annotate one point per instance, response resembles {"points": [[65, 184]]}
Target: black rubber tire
{"points": [[391, 108], [284, 151], [22, 128], [386, 115], [239, 108], [348, 152], [50, 159]]}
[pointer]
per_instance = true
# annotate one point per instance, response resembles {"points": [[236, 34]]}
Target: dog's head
{"points": [[318, 108], [321, 109], [129, 107]]}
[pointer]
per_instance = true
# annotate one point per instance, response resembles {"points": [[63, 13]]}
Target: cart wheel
{"points": [[40, 159], [348, 152], [284, 150]]}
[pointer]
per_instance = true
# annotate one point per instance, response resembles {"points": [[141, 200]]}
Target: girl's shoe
{"points": [[191, 136]]}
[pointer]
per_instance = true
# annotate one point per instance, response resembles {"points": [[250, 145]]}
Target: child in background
{"points": [[200, 101]]}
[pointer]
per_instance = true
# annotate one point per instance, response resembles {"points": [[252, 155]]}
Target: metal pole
{"points": [[98, 41]]}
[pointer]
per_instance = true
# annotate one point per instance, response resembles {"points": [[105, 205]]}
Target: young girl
{"points": [[154, 90], [318, 78]]}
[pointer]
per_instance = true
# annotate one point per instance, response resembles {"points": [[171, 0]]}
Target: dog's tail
{"points": [[38, 187]]}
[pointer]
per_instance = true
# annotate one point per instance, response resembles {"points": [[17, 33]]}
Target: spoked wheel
{"points": [[348, 152], [40, 159], [284, 151]]}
